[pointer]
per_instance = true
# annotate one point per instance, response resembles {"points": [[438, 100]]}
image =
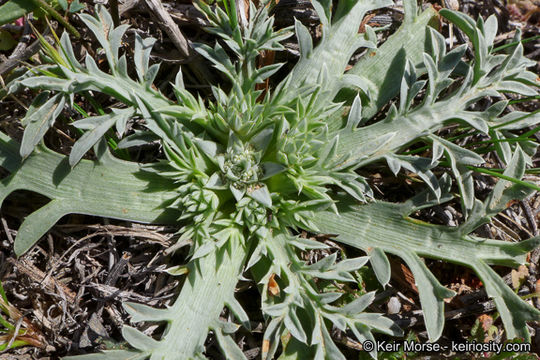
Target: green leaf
{"points": [[97, 126], [228, 346], [383, 66], [40, 117], [110, 355], [304, 39], [359, 304], [139, 340], [7, 41], [141, 312], [381, 265], [13, 9], [384, 224]]}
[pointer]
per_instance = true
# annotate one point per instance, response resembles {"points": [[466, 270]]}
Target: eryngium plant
{"points": [[245, 170]]}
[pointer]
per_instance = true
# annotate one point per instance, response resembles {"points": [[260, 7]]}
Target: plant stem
{"points": [[50, 10], [504, 177]]}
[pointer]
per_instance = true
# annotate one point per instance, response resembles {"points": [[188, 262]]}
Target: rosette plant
{"points": [[245, 170]]}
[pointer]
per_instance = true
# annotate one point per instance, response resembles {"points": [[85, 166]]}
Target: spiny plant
{"points": [[245, 170]]}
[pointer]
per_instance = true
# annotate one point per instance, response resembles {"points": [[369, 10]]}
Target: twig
{"points": [[529, 216], [39, 276], [169, 26]]}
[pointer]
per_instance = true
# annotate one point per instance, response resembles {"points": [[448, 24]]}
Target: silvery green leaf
{"points": [[517, 120], [261, 195], [449, 62], [459, 158], [355, 82], [67, 51], [141, 57], [276, 309], [239, 193], [355, 114], [139, 138], [307, 244], [210, 148], [261, 140], [437, 44], [97, 126], [179, 80], [202, 250], [265, 72], [417, 165], [151, 74], [516, 87], [229, 347], [115, 38], [47, 83], [327, 349], [460, 154], [358, 305], [239, 312], [40, 118], [475, 121], [104, 31], [348, 265], [382, 324], [271, 337], [141, 312], [328, 298], [225, 326], [322, 7], [431, 293], [270, 169], [138, 340], [256, 255], [178, 270], [111, 355], [324, 264], [411, 10], [363, 333], [381, 265], [437, 151], [215, 182], [490, 29], [293, 324], [304, 39], [122, 67], [502, 192], [218, 57], [337, 320]]}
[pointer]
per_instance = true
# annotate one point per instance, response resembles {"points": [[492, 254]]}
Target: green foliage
{"points": [[12, 334], [244, 170], [14, 9]]}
